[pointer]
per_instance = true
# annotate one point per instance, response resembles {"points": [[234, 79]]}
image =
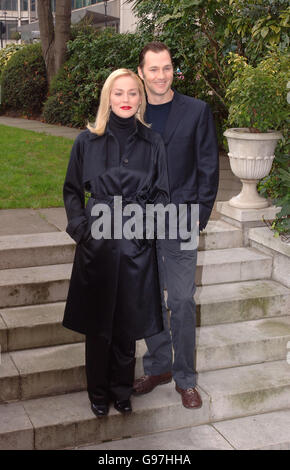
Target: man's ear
{"points": [[140, 73]]}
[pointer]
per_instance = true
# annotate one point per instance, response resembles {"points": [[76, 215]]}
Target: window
{"points": [[83, 3], [8, 5], [24, 5]]}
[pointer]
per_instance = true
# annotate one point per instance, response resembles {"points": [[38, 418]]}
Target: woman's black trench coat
{"points": [[114, 285]]}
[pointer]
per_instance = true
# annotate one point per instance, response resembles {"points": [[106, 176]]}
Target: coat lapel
{"points": [[175, 116]]}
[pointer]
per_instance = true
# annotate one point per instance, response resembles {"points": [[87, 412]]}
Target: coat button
{"points": [[126, 161]]}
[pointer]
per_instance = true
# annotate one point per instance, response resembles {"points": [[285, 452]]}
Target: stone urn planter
{"points": [[251, 156]]}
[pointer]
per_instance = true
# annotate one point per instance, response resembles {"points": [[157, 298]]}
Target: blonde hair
{"points": [[104, 108]]}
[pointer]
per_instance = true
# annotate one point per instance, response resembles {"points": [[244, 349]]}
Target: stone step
{"points": [[268, 431], [246, 390], [37, 249], [232, 265], [220, 235], [41, 249], [41, 325], [35, 326], [232, 345], [67, 421], [203, 437], [241, 301], [44, 284], [42, 371], [52, 370], [34, 285]]}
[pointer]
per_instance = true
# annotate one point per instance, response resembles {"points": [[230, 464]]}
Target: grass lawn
{"points": [[33, 167]]}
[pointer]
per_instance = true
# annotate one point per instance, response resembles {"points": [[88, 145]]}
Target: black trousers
{"points": [[109, 368]]}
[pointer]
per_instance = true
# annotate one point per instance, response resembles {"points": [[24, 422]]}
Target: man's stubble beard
{"points": [[154, 92]]}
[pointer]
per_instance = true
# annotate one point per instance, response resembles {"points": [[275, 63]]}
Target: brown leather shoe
{"points": [[190, 397], [147, 383]]}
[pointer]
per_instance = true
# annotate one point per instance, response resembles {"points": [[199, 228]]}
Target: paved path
{"points": [[38, 126]]}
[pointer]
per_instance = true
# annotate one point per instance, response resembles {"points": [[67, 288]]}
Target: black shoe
{"points": [[100, 410], [123, 406]]}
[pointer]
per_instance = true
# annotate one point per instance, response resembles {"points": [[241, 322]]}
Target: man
{"points": [[187, 127]]}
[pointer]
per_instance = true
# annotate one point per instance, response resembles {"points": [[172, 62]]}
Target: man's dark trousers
{"points": [[177, 273]]}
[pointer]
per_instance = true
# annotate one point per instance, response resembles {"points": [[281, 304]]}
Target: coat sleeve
{"points": [[159, 191], [207, 165], [73, 193]]}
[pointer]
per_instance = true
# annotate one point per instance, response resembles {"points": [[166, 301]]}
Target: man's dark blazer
{"points": [[192, 154]]}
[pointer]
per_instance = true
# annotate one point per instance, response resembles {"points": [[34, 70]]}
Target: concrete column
{"points": [[19, 13], [128, 20]]}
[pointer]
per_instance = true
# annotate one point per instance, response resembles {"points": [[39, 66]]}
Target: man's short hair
{"points": [[154, 46]]}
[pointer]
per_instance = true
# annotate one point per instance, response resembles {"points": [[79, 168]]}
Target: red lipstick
{"points": [[126, 108]]}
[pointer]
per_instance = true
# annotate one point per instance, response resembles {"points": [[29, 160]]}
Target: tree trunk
{"points": [[54, 39], [62, 31], [46, 29]]}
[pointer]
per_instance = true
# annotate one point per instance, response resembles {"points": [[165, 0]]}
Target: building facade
{"points": [[19, 17]]}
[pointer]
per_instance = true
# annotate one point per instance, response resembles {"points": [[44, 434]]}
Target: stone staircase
{"points": [[243, 319]]}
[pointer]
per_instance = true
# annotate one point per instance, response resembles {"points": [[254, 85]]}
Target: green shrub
{"points": [[200, 34], [257, 96], [74, 92], [276, 185], [258, 99], [6, 53], [72, 98], [23, 81]]}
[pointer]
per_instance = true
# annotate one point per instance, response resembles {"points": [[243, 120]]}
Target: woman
{"points": [[114, 296]]}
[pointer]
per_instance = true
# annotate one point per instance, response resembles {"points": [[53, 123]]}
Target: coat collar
{"points": [[141, 130]]}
